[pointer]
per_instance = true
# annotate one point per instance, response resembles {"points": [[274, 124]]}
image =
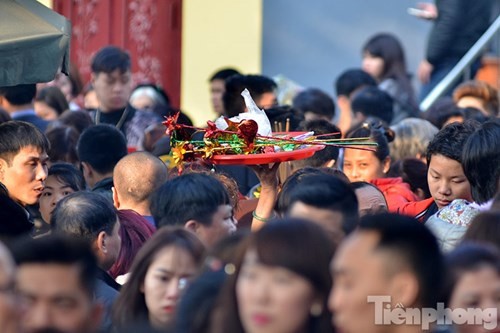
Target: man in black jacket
{"points": [[23, 170], [458, 24]]}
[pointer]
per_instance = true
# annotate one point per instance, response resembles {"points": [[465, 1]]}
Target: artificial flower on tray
{"points": [[247, 139]]}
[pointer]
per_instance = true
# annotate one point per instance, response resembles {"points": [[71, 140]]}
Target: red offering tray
{"points": [[266, 158]]}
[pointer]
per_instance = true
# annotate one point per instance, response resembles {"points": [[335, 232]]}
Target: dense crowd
{"points": [[101, 233]]}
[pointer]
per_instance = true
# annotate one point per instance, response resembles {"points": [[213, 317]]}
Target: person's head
{"points": [[473, 282], [13, 98], [91, 217], [412, 135], [477, 94], [148, 96], [135, 177], [391, 256], [278, 286], [50, 103], [484, 228], [198, 202], [370, 199], [444, 111], [445, 176], [413, 172], [348, 83], [23, 161], [367, 165], [481, 159], [372, 102], [99, 148], [159, 272], [9, 307], [56, 282], [111, 78], [280, 115], [383, 57], [62, 180], [327, 201], [325, 157], [261, 88], [63, 140], [315, 104], [79, 120], [134, 232], [218, 87]]}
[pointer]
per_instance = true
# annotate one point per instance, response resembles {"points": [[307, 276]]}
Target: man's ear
{"points": [[116, 200], [329, 164], [93, 77], [3, 166], [100, 242], [405, 289], [193, 226]]}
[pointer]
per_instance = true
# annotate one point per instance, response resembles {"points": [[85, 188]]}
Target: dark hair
{"points": [[417, 247], [471, 113], [20, 94], [101, 146], [484, 228], [316, 101], [468, 257], [4, 116], [79, 120], [110, 58], [481, 161], [413, 172], [135, 230], [57, 249], [351, 80], [256, 85], [130, 306], [293, 244], [16, 135], [389, 49], [450, 141], [328, 192], [192, 196], [297, 178], [373, 102], [279, 115], [84, 215], [53, 97], [443, 109], [377, 133], [223, 74], [63, 142], [69, 175], [320, 127]]}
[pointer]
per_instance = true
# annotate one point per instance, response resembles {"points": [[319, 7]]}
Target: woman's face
{"points": [[373, 65], [44, 111], [271, 298], [53, 192], [165, 278], [478, 289], [363, 165]]}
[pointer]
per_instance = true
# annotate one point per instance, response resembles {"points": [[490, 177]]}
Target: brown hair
{"points": [[480, 90], [296, 245]]}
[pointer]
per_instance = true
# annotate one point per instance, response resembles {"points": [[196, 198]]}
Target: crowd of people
{"points": [[99, 233]]}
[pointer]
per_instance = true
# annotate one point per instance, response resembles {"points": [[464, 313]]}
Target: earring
{"points": [[316, 310]]}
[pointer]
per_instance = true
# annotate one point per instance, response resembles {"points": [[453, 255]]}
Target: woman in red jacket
{"points": [[372, 166]]}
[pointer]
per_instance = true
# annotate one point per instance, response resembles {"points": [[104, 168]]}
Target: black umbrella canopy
{"points": [[34, 42]]}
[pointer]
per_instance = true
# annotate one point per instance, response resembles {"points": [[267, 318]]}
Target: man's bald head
{"points": [[136, 177]]}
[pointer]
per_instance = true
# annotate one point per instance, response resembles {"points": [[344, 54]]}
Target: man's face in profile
{"points": [[55, 300]]}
